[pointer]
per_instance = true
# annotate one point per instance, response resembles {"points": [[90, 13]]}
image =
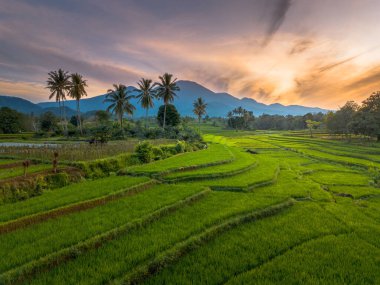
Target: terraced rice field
{"points": [[250, 209]]}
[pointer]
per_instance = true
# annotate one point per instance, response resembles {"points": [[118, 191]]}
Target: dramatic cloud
{"points": [[291, 52], [277, 18]]}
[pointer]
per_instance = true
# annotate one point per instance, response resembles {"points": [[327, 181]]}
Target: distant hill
{"points": [[218, 103], [19, 104]]}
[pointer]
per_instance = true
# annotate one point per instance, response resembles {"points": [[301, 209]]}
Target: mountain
{"points": [[19, 104], [218, 103]]}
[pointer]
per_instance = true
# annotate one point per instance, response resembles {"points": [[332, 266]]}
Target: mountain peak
{"points": [[218, 103]]}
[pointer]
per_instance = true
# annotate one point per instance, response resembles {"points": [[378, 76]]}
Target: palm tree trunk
{"points": [[146, 118], [163, 126], [78, 118], [60, 111], [121, 120], [64, 117]]}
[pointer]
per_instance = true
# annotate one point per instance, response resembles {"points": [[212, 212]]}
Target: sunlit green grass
{"points": [[67, 195], [55, 234], [121, 255], [242, 160], [249, 246], [330, 236], [342, 259], [215, 153], [19, 171]]}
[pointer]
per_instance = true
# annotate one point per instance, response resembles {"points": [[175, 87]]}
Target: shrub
{"points": [[172, 116], [57, 180], [158, 153], [144, 152], [180, 147]]}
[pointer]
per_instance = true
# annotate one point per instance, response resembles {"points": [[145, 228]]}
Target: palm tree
{"points": [[59, 83], [120, 102], [166, 91], [77, 91], [199, 108], [146, 94]]}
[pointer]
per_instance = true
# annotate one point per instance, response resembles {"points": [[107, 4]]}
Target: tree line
{"points": [[61, 84], [352, 118]]}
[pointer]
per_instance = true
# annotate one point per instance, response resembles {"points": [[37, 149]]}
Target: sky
{"points": [[313, 53]]}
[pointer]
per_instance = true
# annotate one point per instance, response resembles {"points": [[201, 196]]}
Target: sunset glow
{"points": [[315, 53]]}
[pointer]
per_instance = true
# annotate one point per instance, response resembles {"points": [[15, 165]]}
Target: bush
{"points": [[57, 180], [172, 116], [158, 153], [144, 152], [180, 147]]}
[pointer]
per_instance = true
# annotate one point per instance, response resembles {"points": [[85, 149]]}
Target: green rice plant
{"points": [[249, 246], [291, 184], [55, 258], [243, 161], [67, 195], [9, 161], [57, 234], [214, 154], [264, 172], [19, 171], [329, 177], [332, 259], [354, 191], [171, 255], [121, 255]]}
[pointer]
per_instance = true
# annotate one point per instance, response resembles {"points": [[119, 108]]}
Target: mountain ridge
{"points": [[219, 103]]}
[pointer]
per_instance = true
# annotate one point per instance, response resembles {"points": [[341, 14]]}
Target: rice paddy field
{"points": [[252, 208]]}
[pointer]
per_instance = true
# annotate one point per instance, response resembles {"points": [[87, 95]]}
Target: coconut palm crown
{"points": [[145, 95], [77, 91], [199, 108], [166, 90], [120, 102]]}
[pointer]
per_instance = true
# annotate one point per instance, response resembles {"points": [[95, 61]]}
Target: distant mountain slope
{"points": [[19, 104], [218, 103]]}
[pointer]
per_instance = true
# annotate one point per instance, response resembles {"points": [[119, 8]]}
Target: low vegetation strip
{"points": [[264, 182], [19, 274], [216, 153], [144, 271], [205, 176], [80, 206], [243, 161], [71, 194], [18, 171]]}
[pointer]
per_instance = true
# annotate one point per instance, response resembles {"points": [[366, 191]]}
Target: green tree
{"points": [[59, 84], [166, 91], [120, 102], [311, 125], [48, 122], [371, 108], [199, 108], [10, 121], [77, 91], [172, 116], [146, 95], [102, 117]]}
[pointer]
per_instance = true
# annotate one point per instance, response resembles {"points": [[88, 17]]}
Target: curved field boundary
{"points": [[249, 187], [319, 158], [71, 208], [145, 270], [284, 251], [266, 182], [209, 176], [157, 175], [47, 262]]}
